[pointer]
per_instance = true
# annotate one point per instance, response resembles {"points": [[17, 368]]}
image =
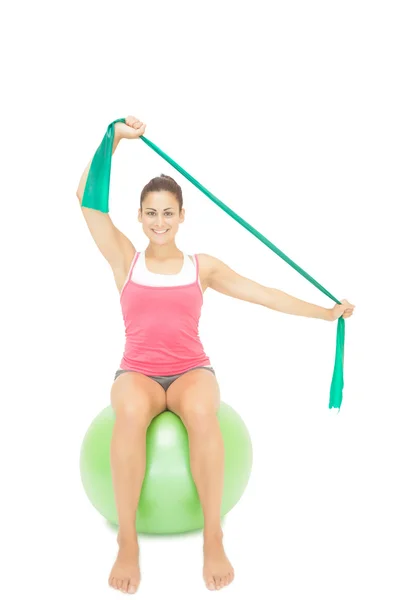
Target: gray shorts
{"points": [[164, 380]]}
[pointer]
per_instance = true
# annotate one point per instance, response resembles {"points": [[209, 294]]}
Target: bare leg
{"points": [[196, 400], [136, 400], [207, 465]]}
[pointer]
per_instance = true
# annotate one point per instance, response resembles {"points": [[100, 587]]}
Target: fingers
{"points": [[347, 304], [134, 122], [348, 312], [131, 120], [138, 126], [346, 308], [134, 128]]}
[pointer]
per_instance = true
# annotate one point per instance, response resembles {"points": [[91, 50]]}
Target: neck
{"points": [[165, 251]]}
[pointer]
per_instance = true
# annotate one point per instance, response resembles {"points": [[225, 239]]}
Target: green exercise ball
{"points": [[169, 502]]}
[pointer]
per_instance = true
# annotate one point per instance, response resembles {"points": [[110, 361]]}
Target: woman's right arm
{"points": [[116, 248]]}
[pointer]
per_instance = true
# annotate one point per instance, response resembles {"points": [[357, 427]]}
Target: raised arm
{"points": [[116, 248]]}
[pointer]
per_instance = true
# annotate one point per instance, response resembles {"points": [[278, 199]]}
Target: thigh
{"points": [[134, 392], [196, 390]]}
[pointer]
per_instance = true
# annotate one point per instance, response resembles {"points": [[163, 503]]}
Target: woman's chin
{"points": [[158, 239]]}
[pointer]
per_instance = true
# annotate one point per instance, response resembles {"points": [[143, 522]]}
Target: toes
{"points": [[217, 583], [119, 583], [112, 582], [124, 586], [132, 588], [211, 584]]}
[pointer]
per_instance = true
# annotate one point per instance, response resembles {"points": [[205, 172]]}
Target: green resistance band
{"points": [[96, 196]]}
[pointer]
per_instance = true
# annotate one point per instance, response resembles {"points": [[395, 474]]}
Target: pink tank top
{"points": [[161, 326]]}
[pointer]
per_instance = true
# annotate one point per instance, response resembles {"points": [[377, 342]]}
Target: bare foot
{"points": [[125, 574], [218, 571]]}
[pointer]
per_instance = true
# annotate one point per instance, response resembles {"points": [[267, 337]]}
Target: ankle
{"points": [[127, 538], [213, 534]]}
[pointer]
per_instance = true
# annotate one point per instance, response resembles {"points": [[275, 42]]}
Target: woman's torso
{"points": [[161, 312]]}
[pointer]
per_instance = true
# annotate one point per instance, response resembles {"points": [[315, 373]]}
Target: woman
{"points": [[164, 366]]}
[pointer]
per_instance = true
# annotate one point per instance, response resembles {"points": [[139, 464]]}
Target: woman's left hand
{"points": [[344, 310]]}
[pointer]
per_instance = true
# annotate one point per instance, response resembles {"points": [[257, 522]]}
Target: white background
{"points": [[289, 113]]}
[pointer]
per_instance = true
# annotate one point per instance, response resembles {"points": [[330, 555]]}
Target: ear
{"points": [[182, 216], [139, 215]]}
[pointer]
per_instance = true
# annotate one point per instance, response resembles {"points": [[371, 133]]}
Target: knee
{"points": [[133, 412], [198, 415]]}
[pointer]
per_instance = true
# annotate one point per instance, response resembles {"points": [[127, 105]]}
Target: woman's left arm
{"points": [[223, 279]]}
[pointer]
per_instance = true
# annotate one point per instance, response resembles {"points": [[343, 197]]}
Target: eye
{"points": [[169, 213]]}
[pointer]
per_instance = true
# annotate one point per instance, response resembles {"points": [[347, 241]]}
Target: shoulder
{"points": [[209, 266], [207, 260], [210, 261]]}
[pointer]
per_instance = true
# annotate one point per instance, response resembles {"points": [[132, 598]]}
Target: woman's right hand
{"points": [[131, 129]]}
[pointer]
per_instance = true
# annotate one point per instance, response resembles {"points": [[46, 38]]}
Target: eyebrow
{"points": [[148, 208]]}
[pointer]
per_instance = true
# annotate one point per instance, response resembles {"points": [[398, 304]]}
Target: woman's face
{"points": [[160, 212]]}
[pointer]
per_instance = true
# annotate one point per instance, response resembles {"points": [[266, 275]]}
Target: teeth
{"points": [[164, 230]]}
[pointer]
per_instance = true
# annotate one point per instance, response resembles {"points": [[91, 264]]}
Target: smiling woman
{"points": [[164, 366], [162, 196], [161, 209]]}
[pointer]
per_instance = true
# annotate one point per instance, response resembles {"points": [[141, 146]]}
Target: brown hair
{"points": [[162, 183]]}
